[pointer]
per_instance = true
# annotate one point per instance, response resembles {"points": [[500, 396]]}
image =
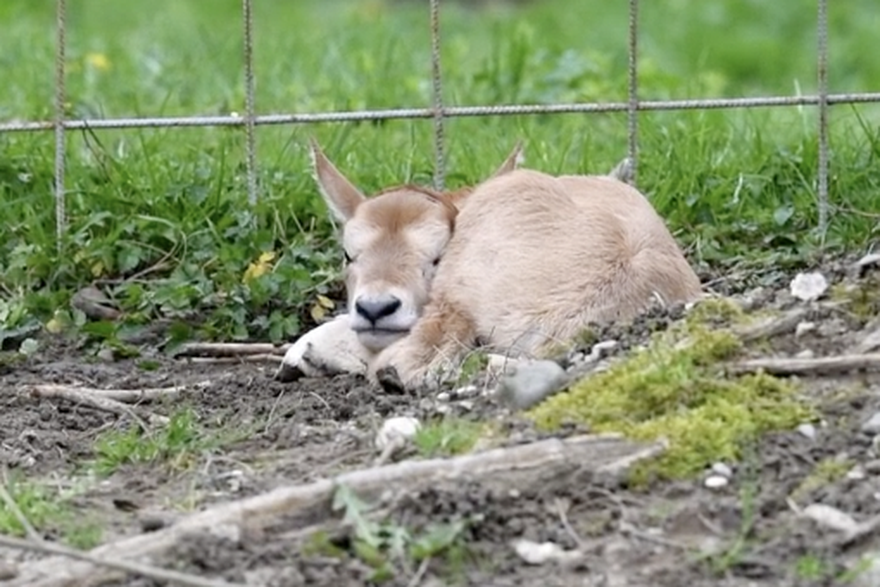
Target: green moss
{"points": [[676, 388], [862, 300]]}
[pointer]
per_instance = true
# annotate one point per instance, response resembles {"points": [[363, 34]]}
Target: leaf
{"points": [[783, 214], [260, 267], [325, 302], [28, 346], [317, 312]]}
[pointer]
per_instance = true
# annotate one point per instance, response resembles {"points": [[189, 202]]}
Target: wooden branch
{"points": [[816, 366], [81, 396], [775, 326], [522, 466], [260, 358], [129, 396], [174, 577], [229, 349]]}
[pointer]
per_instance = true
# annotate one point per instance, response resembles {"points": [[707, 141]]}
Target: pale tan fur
{"points": [[527, 261]]}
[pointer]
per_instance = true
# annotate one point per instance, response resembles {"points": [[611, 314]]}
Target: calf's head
{"points": [[393, 243]]}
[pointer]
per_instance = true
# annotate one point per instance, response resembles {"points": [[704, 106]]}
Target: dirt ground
{"points": [[315, 428]]}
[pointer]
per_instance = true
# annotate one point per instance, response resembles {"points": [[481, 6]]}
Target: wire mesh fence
{"points": [[437, 111]]}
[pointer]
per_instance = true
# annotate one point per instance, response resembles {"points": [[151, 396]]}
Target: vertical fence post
{"points": [[632, 110], [250, 139], [60, 213], [822, 74], [437, 81]]}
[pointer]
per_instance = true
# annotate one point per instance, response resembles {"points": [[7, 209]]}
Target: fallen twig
{"points": [[259, 358], [773, 327], [230, 349], [815, 366], [144, 570], [84, 396], [523, 466], [12, 506], [129, 396]]}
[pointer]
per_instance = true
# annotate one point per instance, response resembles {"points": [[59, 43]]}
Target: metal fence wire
{"points": [[437, 111]]}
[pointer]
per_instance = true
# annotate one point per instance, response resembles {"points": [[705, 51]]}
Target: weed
{"points": [[384, 546], [177, 443], [825, 472], [47, 511], [447, 436]]}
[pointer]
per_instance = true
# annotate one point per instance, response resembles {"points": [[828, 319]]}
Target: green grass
{"points": [[732, 184]]}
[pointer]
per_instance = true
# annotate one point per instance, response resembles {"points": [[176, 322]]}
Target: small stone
{"points": [[602, 349], [805, 354], [443, 396], [807, 431], [808, 286], [804, 327], [873, 467], [466, 391], [535, 553], [857, 473], [7, 571], [532, 382], [396, 429], [723, 470], [715, 482], [466, 405], [106, 355], [830, 517], [872, 425]]}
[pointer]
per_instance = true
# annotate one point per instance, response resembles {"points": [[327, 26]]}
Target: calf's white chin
{"points": [[377, 340]]}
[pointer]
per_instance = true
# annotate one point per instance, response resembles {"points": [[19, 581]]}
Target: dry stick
{"points": [[148, 571], [90, 399], [261, 358], [817, 366], [523, 466], [129, 396], [776, 326], [230, 349]]}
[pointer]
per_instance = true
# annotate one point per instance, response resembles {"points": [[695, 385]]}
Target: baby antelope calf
{"points": [[517, 264]]}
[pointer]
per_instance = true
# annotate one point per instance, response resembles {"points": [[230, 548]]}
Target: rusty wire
{"points": [[437, 85], [59, 126], [822, 74], [250, 139], [633, 119]]}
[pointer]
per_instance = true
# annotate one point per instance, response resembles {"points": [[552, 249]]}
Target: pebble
{"points": [[532, 382], [807, 430], [535, 553], [443, 396], [7, 571], [872, 425], [857, 473], [805, 354], [467, 391], [830, 517], [804, 327], [723, 470], [396, 429], [808, 286], [873, 467], [715, 482], [466, 405]]}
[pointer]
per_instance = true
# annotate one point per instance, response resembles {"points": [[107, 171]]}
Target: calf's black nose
{"points": [[374, 309]]}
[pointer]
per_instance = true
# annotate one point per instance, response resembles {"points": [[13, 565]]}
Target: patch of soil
{"points": [[747, 533]]}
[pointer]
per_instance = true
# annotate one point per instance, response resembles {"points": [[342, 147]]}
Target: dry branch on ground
{"points": [[814, 366], [522, 467], [230, 349]]}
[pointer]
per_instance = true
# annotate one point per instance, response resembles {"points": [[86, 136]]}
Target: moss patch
{"points": [[676, 388]]}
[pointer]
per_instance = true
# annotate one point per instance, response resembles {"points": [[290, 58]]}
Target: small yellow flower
{"points": [[259, 267], [98, 60]]}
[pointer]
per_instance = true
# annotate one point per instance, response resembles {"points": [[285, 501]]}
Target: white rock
{"points": [[532, 382], [804, 327], [534, 553], [715, 482], [808, 286], [857, 473], [723, 470], [869, 259], [466, 391], [466, 405], [497, 365], [807, 430], [805, 354], [830, 517], [872, 425], [443, 396], [397, 429]]}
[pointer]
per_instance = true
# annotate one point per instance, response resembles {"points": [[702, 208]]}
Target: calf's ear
{"points": [[514, 160], [340, 194]]}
